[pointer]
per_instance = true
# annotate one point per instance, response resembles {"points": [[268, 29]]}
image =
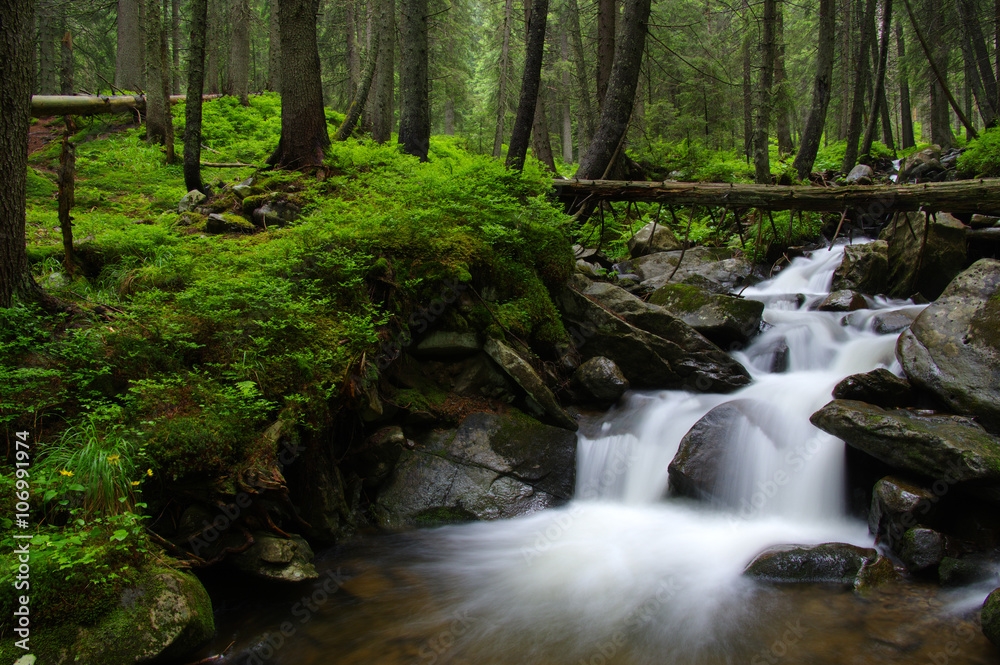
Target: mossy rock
{"points": [[228, 223], [990, 617]]}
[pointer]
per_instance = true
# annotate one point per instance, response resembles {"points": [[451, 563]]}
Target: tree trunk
{"points": [[156, 101], [195, 84], [566, 107], [273, 47], [503, 78], [51, 26], [617, 108], [822, 86], [175, 46], [381, 104], [861, 76], [303, 121], [586, 120], [239, 52], [526, 107], [212, 48], [130, 55], [168, 114], [354, 73], [878, 93], [973, 81], [66, 85], [906, 138], [67, 198], [782, 97], [607, 12], [975, 51], [414, 87], [540, 144], [17, 53], [360, 96], [747, 58], [762, 122]]}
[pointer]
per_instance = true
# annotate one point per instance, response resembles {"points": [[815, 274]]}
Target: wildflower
{"points": [[149, 472], [135, 482], [64, 472], [113, 459]]}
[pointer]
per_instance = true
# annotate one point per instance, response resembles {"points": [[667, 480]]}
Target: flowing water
{"points": [[624, 574]]}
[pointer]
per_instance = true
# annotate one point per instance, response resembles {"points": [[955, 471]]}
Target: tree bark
{"points": [[586, 119], [273, 47], [503, 79], [44, 106], [192, 109], [878, 93], [762, 122], [906, 137], [565, 106], [239, 52], [782, 98], [607, 12], [360, 96], [822, 87], [540, 144], [861, 76], [381, 104], [973, 80], [974, 49], [609, 137], [156, 101], [414, 88], [51, 27], [67, 198], [17, 53], [304, 137], [66, 85], [212, 48], [526, 107], [130, 55], [748, 105], [175, 46]]}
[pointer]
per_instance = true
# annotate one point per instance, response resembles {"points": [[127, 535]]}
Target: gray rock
{"points": [[653, 348], [919, 266], [588, 269], [228, 223], [952, 350], [950, 449], [834, 563], [879, 387], [276, 213], [600, 380], [190, 201], [861, 174], [897, 506], [843, 301], [963, 572], [921, 548], [921, 165], [522, 373], [447, 344], [715, 264], [722, 319], [491, 467], [865, 269], [896, 321], [243, 189], [646, 241], [983, 221], [279, 559], [990, 617]]}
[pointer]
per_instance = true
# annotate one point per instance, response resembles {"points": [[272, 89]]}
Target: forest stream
{"points": [[623, 575]]}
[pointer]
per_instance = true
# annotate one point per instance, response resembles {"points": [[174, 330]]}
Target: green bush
{"points": [[982, 158]]}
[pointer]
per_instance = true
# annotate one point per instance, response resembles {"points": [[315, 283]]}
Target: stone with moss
{"points": [[924, 254], [653, 238], [832, 563], [990, 617], [723, 319], [279, 559], [865, 268], [228, 223]]}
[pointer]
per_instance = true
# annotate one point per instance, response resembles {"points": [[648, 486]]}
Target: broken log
{"points": [[960, 196], [46, 105]]}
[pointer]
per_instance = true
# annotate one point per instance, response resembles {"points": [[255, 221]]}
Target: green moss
{"points": [[680, 297], [444, 515]]}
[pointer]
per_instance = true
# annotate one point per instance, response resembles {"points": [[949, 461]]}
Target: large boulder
{"points": [[492, 466], [599, 380], [653, 348], [924, 263], [722, 319], [540, 398], [990, 617], [832, 563], [716, 265], [953, 348], [880, 387], [921, 548], [865, 268], [278, 559], [923, 165], [898, 505], [843, 301], [950, 449], [653, 238]]}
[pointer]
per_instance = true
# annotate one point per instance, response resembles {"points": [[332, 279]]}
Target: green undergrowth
{"points": [[201, 340], [982, 157]]}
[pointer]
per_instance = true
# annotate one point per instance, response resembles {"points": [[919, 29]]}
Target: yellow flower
{"points": [[135, 482], [149, 472], [113, 459], [64, 472]]}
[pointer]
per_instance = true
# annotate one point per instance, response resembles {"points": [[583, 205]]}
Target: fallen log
{"points": [[960, 196], [47, 105]]}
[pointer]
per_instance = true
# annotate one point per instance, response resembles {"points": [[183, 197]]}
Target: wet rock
{"points": [[897, 506], [653, 348], [227, 223], [279, 559], [719, 265], [895, 321], [190, 201], [923, 165], [865, 269], [447, 344], [951, 449], [490, 467], [861, 174], [921, 548], [952, 350], [919, 265], [879, 387], [964, 572], [722, 319], [521, 372], [990, 617], [650, 241], [835, 563], [600, 380], [588, 269], [843, 301]]}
